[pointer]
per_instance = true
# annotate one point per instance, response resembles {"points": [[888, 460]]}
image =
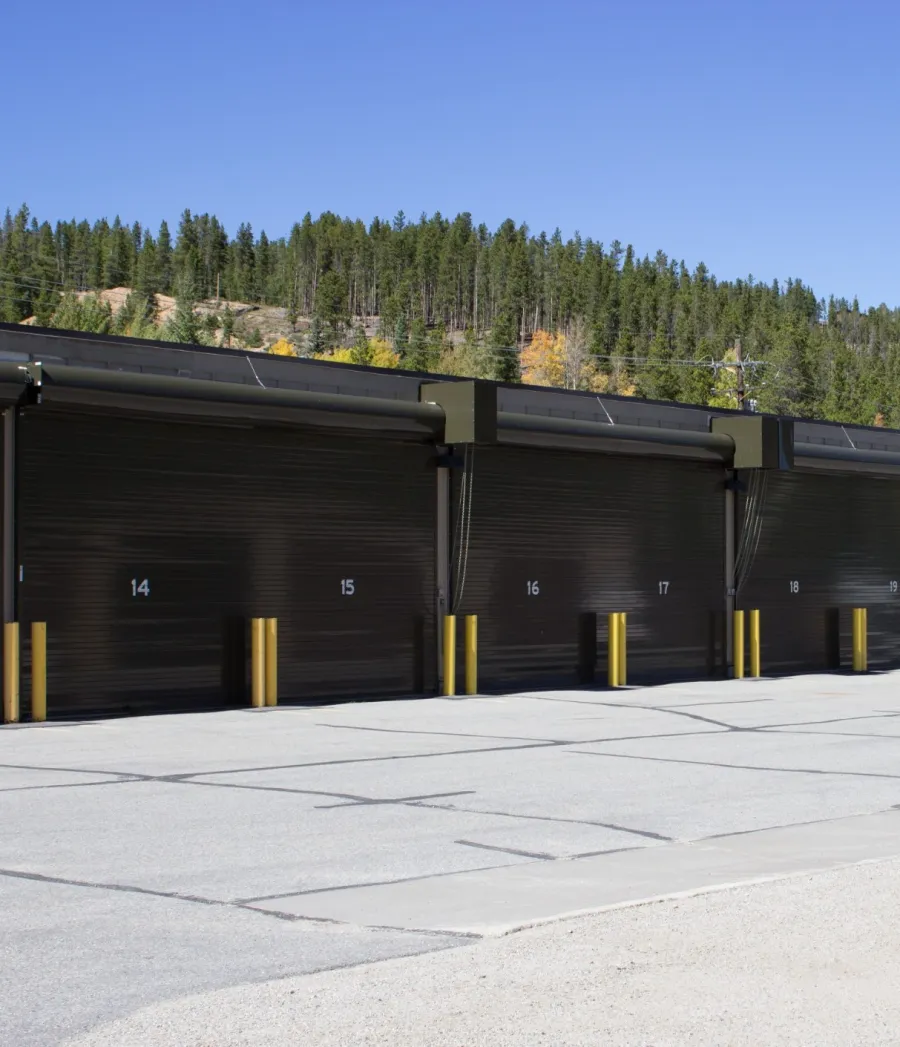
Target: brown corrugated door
{"points": [[147, 546], [557, 537], [828, 542]]}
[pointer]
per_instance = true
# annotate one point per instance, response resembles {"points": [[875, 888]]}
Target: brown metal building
{"points": [[157, 497]]}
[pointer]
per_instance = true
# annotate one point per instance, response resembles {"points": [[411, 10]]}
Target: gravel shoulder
{"points": [[811, 960]]}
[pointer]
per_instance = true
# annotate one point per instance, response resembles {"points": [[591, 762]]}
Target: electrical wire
{"points": [[253, 369], [747, 525], [457, 553], [463, 529], [751, 527], [468, 532], [21, 301], [757, 534], [31, 281]]}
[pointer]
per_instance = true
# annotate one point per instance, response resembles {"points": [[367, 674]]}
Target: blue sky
{"points": [[760, 138]]}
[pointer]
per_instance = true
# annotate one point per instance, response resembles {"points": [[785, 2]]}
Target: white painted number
{"points": [[892, 587], [348, 588], [663, 588], [534, 589], [795, 587], [140, 588]]}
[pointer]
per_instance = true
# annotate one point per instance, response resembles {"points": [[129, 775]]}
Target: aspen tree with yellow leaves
{"points": [[561, 361], [282, 348]]}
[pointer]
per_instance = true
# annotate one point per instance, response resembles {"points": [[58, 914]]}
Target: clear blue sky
{"points": [[757, 137]]}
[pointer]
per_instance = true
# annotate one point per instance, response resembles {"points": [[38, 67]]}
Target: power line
{"points": [[21, 301], [6, 274]]}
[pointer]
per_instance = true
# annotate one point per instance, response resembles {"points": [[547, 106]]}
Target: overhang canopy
{"points": [[96, 387]]}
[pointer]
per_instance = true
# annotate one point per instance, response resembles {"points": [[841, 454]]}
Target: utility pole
{"points": [[741, 389]]}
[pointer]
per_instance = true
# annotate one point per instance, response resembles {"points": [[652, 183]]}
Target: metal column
{"points": [[9, 515], [730, 580], [442, 564]]}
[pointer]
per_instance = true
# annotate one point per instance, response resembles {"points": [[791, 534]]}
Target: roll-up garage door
{"points": [[827, 543], [147, 546], [557, 540]]}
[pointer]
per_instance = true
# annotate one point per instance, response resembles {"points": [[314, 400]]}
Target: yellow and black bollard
{"points": [[623, 649], [11, 672], [38, 672], [471, 654], [755, 646], [739, 645], [860, 640], [449, 655], [271, 659]]}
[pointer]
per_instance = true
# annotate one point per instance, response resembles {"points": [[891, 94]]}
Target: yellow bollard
{"points": [[471, 654], [257, 662], [449, 655], [739, 645], [11, 672], [623, 649], [614, 648], [856, 639], [38, 672], [860, 640], [755, 652], [271, 661]]}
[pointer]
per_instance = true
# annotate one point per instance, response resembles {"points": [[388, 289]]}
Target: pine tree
{"points": [[331, 304], [315, 341], [659, 378], [119, 263], [184, 326], [98, 251], [435, 347], [243, 279], [841, 401], [187, 253], [360, 352], [263, 259], [401, 337], [415, 356], [147, 279], [82, 314], [15, 286], [696, 383], [136, 318], [471, 359], [227, 327], [164, 264], [44, 276], [504, 353]]}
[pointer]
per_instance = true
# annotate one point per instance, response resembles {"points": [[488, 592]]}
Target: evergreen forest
{"points": [[452, 296]]}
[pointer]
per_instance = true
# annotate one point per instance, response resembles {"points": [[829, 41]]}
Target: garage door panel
{"points": [[594, 534], [147, 548], [828, 543]]}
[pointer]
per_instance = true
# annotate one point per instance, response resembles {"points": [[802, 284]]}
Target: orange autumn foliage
{"points": [[543, 360], [561, 361]]}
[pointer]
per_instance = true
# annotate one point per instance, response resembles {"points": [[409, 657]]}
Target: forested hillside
{"points": [[455, 297]]}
